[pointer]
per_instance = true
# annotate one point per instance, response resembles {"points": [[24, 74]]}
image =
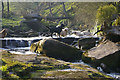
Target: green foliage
{"points": [[3, 61], [11, 22], [99, 33], [117, 22], [13, 76], [4, 68], [85, 14], [81, 13], [106, 13], [117, 4], [64, 21], [48, 23]]}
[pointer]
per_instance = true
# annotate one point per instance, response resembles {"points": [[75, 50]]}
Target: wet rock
{"points": [[56, 49], [3, 43], [68, 40], [87, 43], [105, 55], [79, 72], [113, 34]]}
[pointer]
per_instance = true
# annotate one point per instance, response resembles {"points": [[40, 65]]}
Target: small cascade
{"points": [[18, 42], [29, 43], [11, 43], [14, 43], [6, 42]]}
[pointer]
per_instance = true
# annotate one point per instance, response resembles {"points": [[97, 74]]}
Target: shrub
{"points": [[106, 13]]}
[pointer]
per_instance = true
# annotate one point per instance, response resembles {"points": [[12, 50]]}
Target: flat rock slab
{"points": [[104, 49], [105, 55]]}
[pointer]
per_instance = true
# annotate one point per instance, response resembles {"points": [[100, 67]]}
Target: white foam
{"points": [[24, 52], [114, 75], [24, 38], [71, 70]]}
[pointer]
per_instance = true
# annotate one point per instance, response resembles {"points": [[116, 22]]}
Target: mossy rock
{"points": [[79, 75], [76, 71], [46, 68], [56, 49]]}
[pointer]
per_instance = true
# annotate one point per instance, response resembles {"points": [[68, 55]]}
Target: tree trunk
{"points": [[2, 7], [64, 9], [8, 9]]}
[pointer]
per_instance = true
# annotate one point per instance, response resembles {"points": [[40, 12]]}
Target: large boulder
{"points": [[105, 55], [87, 43], [56, 49], [113, 33]]}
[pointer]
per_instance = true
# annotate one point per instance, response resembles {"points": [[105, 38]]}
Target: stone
{"points": [[113, 33], [105, 55], [87, 43], [56, 49], [3, 33]]}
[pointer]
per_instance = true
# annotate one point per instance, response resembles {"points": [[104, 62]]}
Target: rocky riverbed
{"points": [[19, 66]]}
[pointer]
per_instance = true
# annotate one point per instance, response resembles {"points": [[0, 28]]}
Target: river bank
{"points": [[24, 66]]}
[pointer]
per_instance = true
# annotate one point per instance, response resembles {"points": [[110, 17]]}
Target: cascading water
{"points": [[14, 43], [29, 43], [18, 45], [6, 42]]}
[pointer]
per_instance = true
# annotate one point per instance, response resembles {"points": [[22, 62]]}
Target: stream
{"points": [[20, 45]]}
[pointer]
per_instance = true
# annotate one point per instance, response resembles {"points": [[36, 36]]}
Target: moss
{"points": [[13, 76], [3, 61], [90, 60], [85, 58], [33, 47], [117, 22], [38, 73]]}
